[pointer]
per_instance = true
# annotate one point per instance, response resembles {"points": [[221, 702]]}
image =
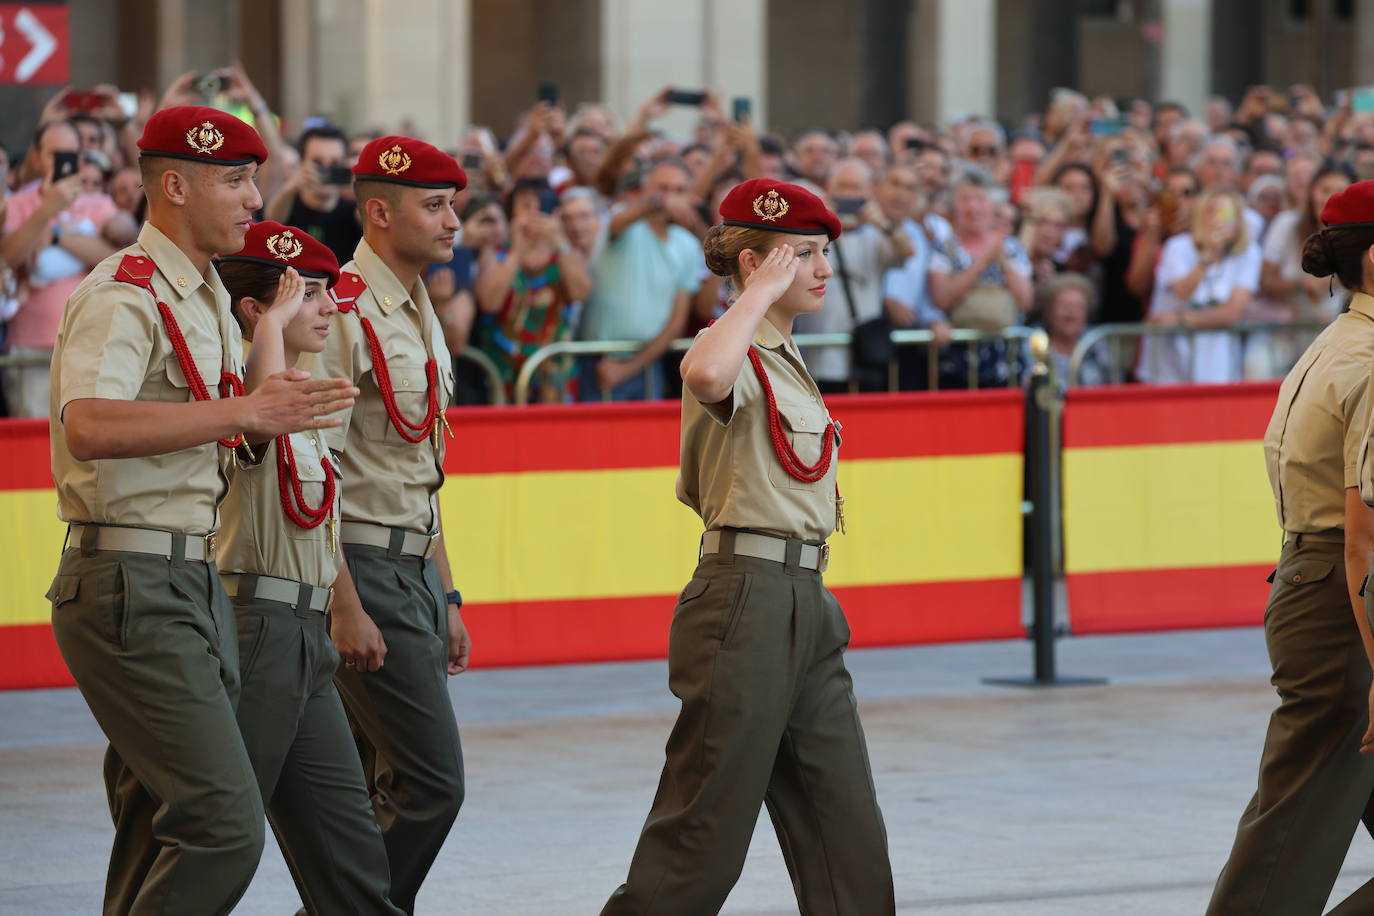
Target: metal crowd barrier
{"points": [[525, 380], [1117, 337], [471, 354]]}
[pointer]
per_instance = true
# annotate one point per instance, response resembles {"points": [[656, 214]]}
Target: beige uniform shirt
{"points": [[112, 344], [729, 471], [391, 481], [1315, 438], [258, 536]]}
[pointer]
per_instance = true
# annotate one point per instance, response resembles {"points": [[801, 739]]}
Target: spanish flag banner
{"points": [[1168, 518], [568, 544]]}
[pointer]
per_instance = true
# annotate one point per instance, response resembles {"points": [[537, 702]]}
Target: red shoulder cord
{"points": [[139, 272], [346, 298], [293, 497], [787, 456]]}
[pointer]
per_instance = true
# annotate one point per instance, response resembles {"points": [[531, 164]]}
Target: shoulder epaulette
{"points": [[138, 270], [347, 291]]}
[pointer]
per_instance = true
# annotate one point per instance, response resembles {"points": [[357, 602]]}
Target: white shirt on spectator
{"points": [[1283, 247], [909, 284], [1074, 239], [1209, 356]]}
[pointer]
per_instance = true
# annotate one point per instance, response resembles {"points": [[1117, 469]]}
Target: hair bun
{"points": [[1318, 259], [720, 260]]}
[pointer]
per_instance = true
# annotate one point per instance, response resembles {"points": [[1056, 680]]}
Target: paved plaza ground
{"points": [[999, 801]]}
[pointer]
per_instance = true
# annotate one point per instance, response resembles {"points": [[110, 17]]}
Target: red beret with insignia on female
{"points": [[1352, 207], [405, 160], [276, 245], [762, 203], [201, 134]]}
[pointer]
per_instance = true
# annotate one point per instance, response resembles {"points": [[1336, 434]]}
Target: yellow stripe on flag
{"points": [[544, 536], [613, 533], [1168, 506], [30, 543]]}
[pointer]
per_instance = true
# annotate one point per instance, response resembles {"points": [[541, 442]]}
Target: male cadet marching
{"points": [[146, 343], [405, 632]]}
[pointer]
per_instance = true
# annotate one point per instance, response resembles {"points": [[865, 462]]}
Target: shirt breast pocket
{"points": [[179, 386], [310, 472], [804, 428], [409, 387]]}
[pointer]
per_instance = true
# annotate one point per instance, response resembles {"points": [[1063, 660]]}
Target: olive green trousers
{"points": [[768, 718], [152, 645], [1314, 785], [307, 766], [402, 715]]}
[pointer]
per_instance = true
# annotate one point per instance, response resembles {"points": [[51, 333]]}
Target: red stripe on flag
{"points": [[1168, 599], [29, 658], [622, 629], [602, 436], [25, 463], [1165, 415]]}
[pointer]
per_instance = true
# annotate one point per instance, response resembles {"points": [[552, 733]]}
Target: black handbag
{"points": [[870, 346]]}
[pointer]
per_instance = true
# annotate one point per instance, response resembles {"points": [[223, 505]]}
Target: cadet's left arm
{"points": [[459, 643], [1359, 548]]}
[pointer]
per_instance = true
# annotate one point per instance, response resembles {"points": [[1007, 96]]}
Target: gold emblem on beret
{"points": [[394, 161], [205, 139], [284, 246], [770, 206]]}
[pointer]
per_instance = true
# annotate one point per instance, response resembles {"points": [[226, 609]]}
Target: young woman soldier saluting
{"points": [[756, 649], [278, 557]]}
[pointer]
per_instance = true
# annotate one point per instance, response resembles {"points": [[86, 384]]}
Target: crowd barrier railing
{"points": [[524, 381], [1118, 337], [471, 354]]}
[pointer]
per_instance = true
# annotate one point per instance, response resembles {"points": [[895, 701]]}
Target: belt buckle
{"points": [[210, 542], [432, 546], [823, 563]]}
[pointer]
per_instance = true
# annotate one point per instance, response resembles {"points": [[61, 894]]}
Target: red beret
{"points": [[406, 160], [762, 203], [201, 134], [1353, 205], [286, 246]]}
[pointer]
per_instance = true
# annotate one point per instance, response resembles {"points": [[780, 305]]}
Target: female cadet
{"points": [[756, 646], [278, 556], [1315, 778]]}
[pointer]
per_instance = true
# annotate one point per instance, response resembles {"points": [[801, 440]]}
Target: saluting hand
{"points": [[290, 294], [291, 401], [775, 274]]}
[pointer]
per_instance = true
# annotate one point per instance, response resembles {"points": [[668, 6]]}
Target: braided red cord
{"points": [[230, 385], [293, 496], [787, 456], [411, 432]]}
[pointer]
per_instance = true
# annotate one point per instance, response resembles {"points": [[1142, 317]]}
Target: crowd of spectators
{"points": [[575, 227]]}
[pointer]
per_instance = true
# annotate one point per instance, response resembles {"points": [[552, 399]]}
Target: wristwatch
{"points": [[454, 598]]}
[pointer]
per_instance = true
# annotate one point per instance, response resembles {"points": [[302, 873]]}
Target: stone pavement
{"points": [[999, 801]]}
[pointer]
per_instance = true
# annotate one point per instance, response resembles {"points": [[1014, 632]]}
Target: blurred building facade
{"points": [[438, 65]]}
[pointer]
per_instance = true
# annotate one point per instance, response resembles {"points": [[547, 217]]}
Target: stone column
{"points": [[716, 44], [1185, 65], [953, 64]]}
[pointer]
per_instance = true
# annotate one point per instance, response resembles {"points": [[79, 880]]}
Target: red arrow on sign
{"points": [[34, 44]]}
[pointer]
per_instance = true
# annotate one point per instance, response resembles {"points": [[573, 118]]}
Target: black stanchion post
{"points": [[1043, 409]]}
